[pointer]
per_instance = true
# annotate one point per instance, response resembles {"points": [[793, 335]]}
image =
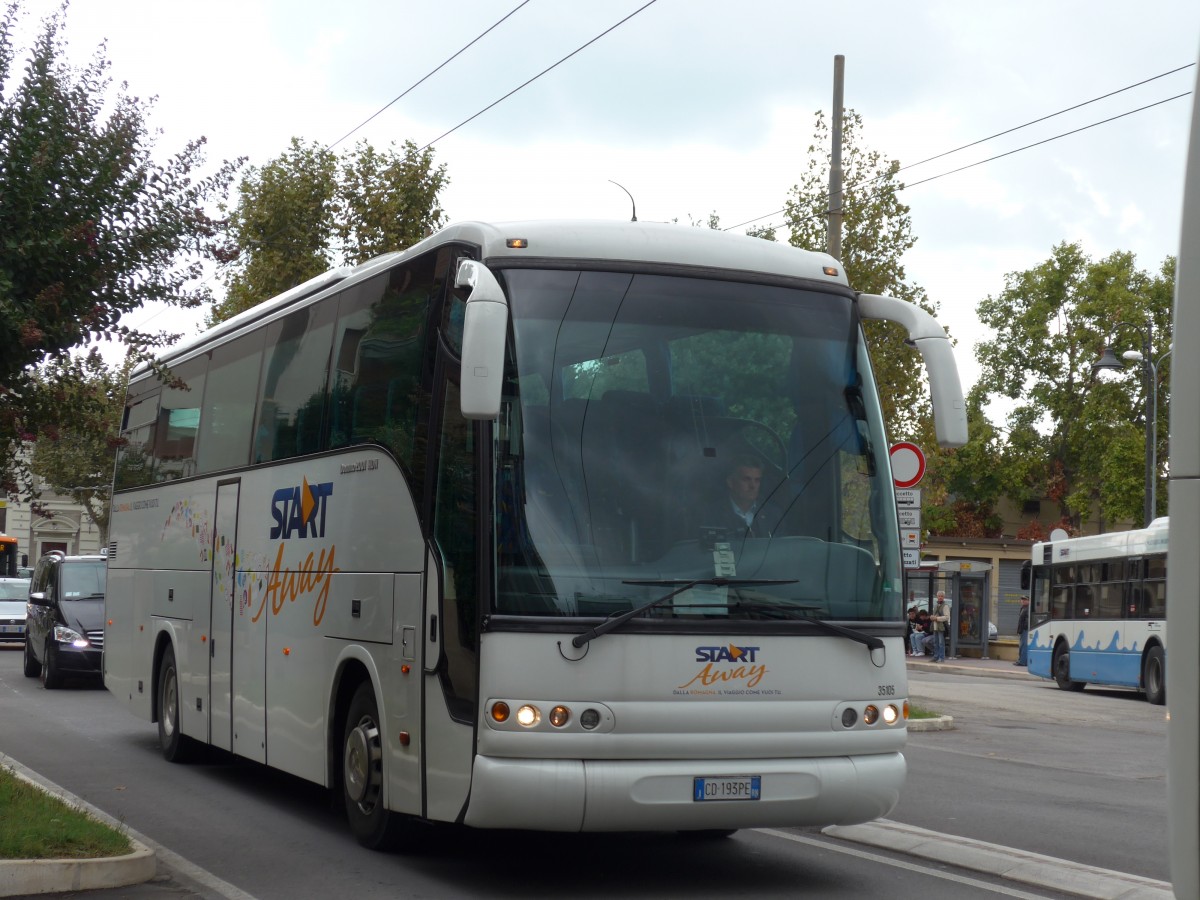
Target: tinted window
{"points": [[228, 421], [380, 355], [135, 456], [179, 421], [292, 394]]}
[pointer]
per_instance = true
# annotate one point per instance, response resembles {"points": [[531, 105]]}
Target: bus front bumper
{"points": [[658, 795]]}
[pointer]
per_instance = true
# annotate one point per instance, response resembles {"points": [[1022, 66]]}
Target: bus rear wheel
{"points": [[362, 772], [1154, 676], [1062, 671]]}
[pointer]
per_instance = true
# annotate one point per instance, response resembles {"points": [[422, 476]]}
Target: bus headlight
{"points": [[890, 715], [546, 715]]}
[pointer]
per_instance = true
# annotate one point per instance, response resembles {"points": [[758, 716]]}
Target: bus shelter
{"points": [[967, 584]]}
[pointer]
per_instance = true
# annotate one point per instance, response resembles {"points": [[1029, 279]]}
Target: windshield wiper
{"points": [[802, 614], [872, 642], [609, 624]]}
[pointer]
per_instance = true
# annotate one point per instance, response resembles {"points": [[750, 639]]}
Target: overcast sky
{"points": [[698, 106]]}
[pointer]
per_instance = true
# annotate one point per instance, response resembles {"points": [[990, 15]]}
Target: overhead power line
{"points": [[431, 72], [537, 76], [1050, 116], [1010, 131]]}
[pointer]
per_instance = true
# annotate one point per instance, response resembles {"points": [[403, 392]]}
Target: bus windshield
{"points": [[658, 430]]}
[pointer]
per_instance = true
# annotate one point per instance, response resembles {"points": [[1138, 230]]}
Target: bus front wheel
{"points": [[1062, 671], [1154, 676], [362, 771], [175, 746]]}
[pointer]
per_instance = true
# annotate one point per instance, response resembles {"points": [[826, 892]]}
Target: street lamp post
{"points": [[1109, 361]]}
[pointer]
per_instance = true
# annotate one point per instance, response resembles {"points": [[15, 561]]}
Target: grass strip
{"points": [[919, 712], [38, 825]]}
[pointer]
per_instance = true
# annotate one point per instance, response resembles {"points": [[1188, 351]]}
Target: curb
{"points": [[21, 877], [986, 672], [937, 723], [1008, 863]]}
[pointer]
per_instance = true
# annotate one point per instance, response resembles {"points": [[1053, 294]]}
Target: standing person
{"points": [[1023, 634], [940, 620]]}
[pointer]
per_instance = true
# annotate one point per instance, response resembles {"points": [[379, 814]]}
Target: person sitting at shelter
{"points": [[922, 634]]}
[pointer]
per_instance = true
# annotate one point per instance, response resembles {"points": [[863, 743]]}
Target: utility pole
{"points": [[834, 238]]}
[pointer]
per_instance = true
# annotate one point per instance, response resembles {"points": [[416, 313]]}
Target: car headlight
{"points": [[65, 635]]}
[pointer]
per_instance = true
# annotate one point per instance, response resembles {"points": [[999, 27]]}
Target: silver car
{"points": [[14, 594]]}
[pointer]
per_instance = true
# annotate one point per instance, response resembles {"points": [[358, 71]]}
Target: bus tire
{"points": [[1062, 671], [1154, 676], [51, 676], [175, 746], [362, 772], [33, 668]]}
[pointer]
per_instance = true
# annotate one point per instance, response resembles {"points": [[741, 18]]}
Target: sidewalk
{"points": [[963, 665]]}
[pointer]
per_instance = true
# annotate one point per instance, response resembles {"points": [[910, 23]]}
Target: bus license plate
{"points": [[742, 787]]}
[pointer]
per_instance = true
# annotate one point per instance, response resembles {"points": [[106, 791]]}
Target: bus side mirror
{"points": [[945, 388], [1026, 573], [485, 327]]}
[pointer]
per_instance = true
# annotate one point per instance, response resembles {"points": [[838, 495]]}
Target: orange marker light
{"points": [[516, 243], [203, 638], [405, 669], [287, 651], [500, 711]]}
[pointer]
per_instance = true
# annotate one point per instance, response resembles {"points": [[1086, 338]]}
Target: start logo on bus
{"points": [[300, 511]]}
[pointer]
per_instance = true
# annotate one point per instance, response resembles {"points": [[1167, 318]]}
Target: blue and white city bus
{"points": [[448, 533], [1098, 610]]}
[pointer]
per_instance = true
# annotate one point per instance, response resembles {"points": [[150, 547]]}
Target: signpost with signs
{"points": [[908, 468]]}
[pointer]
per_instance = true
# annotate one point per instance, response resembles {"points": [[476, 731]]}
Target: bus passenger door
{"points": [[220, 627], [452, 616]]}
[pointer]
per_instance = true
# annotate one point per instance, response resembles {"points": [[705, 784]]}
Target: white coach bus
{"points": [[1098, 610], [449, 533]]}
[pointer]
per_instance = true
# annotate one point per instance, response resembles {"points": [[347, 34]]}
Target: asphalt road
{"points": [[1078, 776], [236, 830]]}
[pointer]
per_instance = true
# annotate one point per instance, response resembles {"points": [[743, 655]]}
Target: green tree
{"points": [[92, 226], [76, 459], [877, 231], [306, 208], [1073, 438]]}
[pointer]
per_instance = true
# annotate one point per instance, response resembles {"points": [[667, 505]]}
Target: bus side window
{"points": [[135, 456], [291, 410], [381, 360], [179, 421], [227, 425]]}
